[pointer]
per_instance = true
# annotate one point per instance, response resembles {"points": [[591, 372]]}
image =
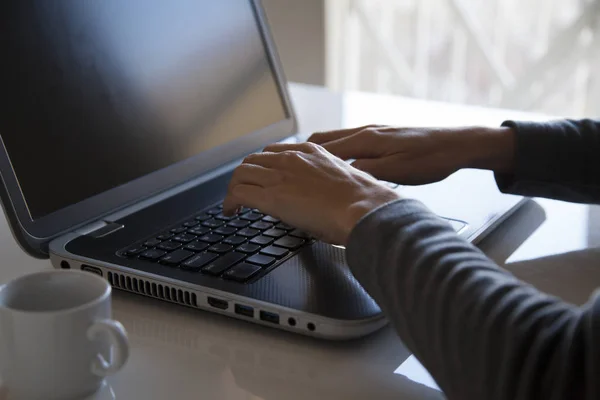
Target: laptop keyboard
{"points": [[239, 248]]}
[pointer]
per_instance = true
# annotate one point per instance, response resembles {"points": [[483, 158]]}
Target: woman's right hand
{"points": [[415, 156]]}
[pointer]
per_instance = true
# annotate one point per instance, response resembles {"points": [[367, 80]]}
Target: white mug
{"points": [[57, 338]]}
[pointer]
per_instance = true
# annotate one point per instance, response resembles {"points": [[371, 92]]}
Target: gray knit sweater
{"points": [[480, 332]]}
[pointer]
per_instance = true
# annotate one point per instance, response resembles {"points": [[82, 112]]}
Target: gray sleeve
{"points": [[480, 332], [557, 159]]}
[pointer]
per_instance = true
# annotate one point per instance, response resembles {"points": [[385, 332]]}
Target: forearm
{"points": [[480, 332], [556, 159]]}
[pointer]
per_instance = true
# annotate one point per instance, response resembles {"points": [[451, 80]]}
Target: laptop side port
{"points": [[91, 269], [218, 303], [246, 311], [269, 317]]}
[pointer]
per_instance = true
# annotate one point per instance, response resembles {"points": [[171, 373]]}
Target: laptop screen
{"points": [[97, 93]]}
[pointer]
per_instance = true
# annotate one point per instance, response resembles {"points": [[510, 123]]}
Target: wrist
{"points": [[357, 210], [492, 149]]}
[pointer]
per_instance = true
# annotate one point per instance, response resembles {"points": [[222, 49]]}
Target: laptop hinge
{"points": [[100, 229]]}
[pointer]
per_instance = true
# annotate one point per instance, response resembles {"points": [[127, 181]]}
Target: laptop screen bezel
{"points": [[69, 218]]}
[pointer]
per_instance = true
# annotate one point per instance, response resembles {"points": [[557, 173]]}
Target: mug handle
{"points": [[119, 344]]}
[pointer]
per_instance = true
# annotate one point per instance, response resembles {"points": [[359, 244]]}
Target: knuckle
{"points": [[282, 159], [244, 168], [309, 147], [249, 159], [370, 133], [290, 154], [272, 147], [371, 127], [239, 171], [292, 157]]}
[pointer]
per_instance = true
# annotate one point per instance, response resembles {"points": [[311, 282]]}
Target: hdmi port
{"points": [[218, 303]]}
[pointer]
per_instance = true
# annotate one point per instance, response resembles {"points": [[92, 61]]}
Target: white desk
{"points": [[180, 353]]}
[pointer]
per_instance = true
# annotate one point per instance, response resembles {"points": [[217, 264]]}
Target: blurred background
{"points": [[533, 55]]}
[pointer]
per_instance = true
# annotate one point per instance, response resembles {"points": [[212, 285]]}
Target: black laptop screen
{"points": [[97, 93]]}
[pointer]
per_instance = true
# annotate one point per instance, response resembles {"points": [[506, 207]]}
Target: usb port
{"points": [[246, 311], [269, 317], [91, 269], [218, 303]]}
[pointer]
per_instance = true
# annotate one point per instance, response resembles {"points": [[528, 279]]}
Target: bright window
{"points": [[539, 55]]}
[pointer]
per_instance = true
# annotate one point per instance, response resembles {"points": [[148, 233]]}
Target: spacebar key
{"points": [[223, 263]]}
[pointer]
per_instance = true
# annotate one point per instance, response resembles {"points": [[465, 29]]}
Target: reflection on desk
{"points": [[414, 370], [211, 357]]}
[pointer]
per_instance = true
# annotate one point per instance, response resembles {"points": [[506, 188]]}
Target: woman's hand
{"points": [[307, 187], [414, 156]]}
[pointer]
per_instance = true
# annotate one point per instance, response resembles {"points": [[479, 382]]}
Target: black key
{"points": [[169, 246], [223, 263], [220, 248], [261, 225], [252, 216], [284, 226], [197, 246], [244, 210], [179, 229], [184, 238], [238, 223], [248, 232], [262, 240], [298, 233], [198, 261], [270, 219], [248, 248], [213, 223], [273, 251], [203, 217], [176, 257], [242, 272], [165, 236], [191, 224], [235, 240], [199, 231], [214, 211], [224, 217], [261, 260], [211, 238], [289, 242], [153, 254], [152, 243], [225, 230], [276, 233], [134, 250]]}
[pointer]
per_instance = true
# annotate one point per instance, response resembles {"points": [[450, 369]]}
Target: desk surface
{"points": [[187, 354]]}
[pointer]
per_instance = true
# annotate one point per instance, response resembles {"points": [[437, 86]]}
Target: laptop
{"points": [[122, 122]]}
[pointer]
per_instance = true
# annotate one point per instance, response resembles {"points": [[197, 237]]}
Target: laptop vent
{"points": [[151, 289]]}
